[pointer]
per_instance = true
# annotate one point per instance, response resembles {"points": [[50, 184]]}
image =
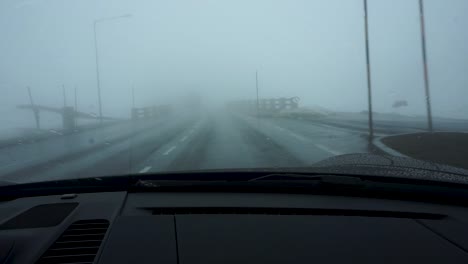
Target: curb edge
{"points": [[377, 142]]}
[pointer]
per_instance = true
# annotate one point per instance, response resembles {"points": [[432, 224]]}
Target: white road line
{"points": [[298, 137], [294, 135], [304, 139], [146, 169], [169, 150], [183, 139], [329, 150]]}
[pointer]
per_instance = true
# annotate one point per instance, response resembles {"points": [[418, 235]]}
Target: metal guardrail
{"points": [[150, 112], [266, 106], [69, 115]]}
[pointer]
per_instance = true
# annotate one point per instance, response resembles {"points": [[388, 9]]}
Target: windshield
{"points": [[105, 88]]}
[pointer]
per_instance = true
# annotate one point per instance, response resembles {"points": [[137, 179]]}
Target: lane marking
{"points": [[302, 138], [298, 137], [183, 139], [294, 135], [169, 150], [327, 149], [146, 169]]}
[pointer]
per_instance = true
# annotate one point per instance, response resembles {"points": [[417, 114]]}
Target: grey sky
{"points": [[313, 49]]}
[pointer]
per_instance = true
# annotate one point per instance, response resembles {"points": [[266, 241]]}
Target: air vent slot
{"points": [[291, 211], [78, 244]]}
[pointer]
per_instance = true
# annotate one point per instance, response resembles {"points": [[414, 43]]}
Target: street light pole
{"points": [[97, 59], [426, 71], [256, 85], [64, 95], [133, 96], [76, 100], [35, 109], [97, 73], [369, 80]]}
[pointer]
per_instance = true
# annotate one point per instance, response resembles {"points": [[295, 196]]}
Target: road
{"points": [[180, 142], [194, 141]]}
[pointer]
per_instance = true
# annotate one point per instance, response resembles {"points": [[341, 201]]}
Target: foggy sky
{"points": [[313, 49]]}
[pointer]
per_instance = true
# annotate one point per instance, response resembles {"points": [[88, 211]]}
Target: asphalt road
{"points": [[178, 143], [184, 142]]}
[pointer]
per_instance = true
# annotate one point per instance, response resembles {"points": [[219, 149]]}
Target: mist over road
{"points": [[192, 141], [197, 141]]}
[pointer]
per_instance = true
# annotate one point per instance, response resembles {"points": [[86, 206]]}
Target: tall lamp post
{"points": [[426, 71], [97, 57], [256, 87], [368, 67]]}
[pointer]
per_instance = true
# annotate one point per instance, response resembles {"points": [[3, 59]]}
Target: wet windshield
{"points": [[120, 87]]}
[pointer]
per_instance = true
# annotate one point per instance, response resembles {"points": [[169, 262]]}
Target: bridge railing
{"points": [[265, 106], [69, 115], [150, 112]]}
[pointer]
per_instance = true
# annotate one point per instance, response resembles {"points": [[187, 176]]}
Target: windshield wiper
{"points": [[276, 181], [322, 179], [316, 184]]}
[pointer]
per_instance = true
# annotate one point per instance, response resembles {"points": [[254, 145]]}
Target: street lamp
{"points": [[425, 66], [97, 57], [368, 68], [256, 86]]}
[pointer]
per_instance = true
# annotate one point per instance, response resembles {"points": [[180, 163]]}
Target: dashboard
{"points": [[190, 227]]}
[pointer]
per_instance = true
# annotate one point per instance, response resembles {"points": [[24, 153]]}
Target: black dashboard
{"points": [[189, 227]]}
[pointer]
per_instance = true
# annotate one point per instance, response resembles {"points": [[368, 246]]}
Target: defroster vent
{"points": [[78, 244]]}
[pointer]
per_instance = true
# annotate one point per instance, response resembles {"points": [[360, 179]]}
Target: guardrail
{"points": [[68, 114], [265, 106], [150, 112]]}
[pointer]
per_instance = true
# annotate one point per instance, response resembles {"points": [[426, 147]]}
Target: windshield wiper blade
{"points": [[269, 181], [322, 179]]}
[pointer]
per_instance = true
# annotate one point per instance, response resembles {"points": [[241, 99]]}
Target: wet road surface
{"points": [[197, 141]]}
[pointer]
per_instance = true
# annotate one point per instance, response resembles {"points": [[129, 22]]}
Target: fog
{"points": [[313, 49]]}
